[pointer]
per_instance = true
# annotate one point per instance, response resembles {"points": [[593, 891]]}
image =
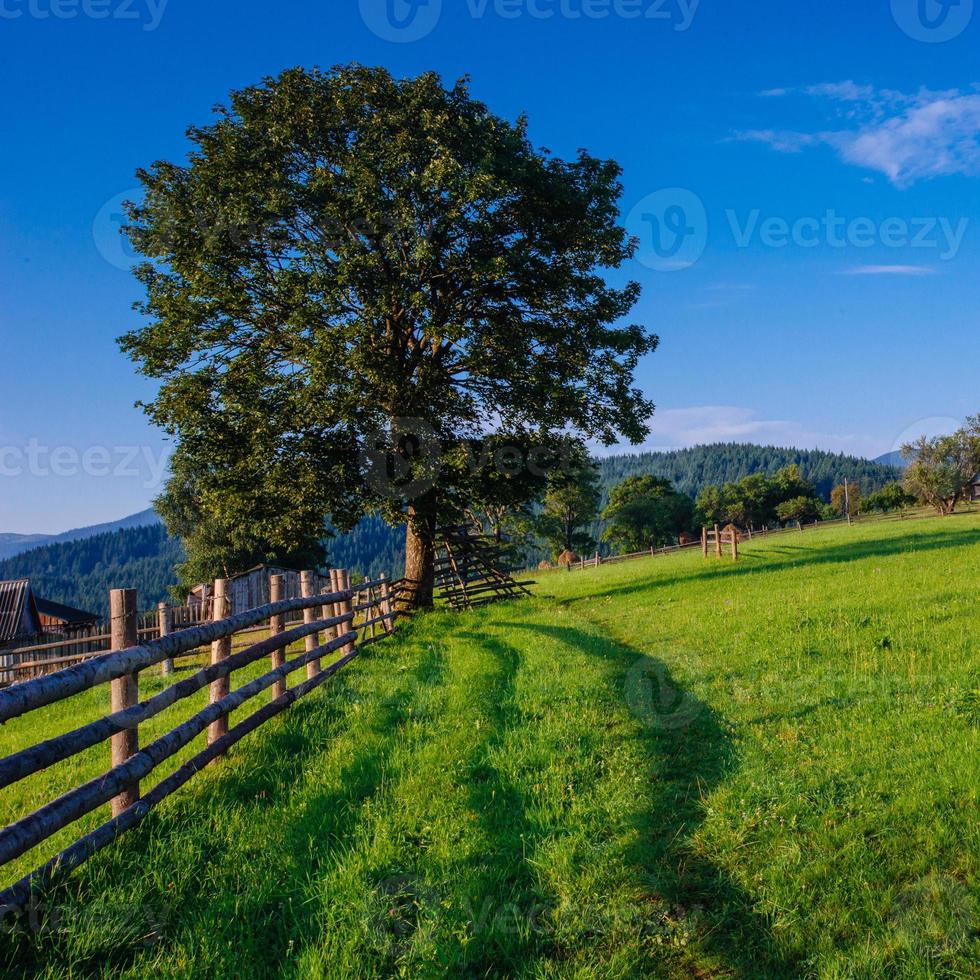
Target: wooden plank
{"points": [[277, 626], [220, 650], [31, 695], [124, 691], [37, 757], [307, 586], [69, 807], [19, 896], [165, 616]]}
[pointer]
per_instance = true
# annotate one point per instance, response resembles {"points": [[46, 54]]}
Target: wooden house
{"points": [[24, 616], [19, 616], [63, 619], [250, 589]]}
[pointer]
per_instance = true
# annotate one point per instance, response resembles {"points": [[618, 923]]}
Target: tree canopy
{"points": [[351, 279], [942, 469], [755, 500], [645, 512], [571, 504]]}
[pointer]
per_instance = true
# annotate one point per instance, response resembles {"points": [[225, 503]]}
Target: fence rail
{"points": [[342, 619], [752, 533]]}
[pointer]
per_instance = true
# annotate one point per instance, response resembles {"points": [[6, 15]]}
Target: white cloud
{"points": [[905, 137], [890, 270], [676, 428]]}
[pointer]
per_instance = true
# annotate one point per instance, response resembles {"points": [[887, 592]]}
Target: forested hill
{"points": [[80, 573], [691, 469]]}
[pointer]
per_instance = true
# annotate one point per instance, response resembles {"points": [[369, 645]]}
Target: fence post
{"points": [[277, 625], [348, 608], [704, 541], [124, 691], [598, 560], [717, 541], [165, 617], [387, 624], [734, 544], [220, 650], [307, 590]]}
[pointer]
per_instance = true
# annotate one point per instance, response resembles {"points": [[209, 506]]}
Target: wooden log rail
{"points": [[346, 618]]}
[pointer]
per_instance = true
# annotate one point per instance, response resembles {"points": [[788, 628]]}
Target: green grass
{"points": [[665, 768]]}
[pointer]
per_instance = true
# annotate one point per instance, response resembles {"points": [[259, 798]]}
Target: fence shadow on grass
{"points": [[685, 761], [256, 908]]}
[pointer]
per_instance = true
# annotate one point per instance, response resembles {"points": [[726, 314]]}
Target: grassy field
{"points": [[665, 768]]}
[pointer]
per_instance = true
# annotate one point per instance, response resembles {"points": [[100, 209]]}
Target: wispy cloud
{"points": [[675, 428], [890, 270], [905, 137]]}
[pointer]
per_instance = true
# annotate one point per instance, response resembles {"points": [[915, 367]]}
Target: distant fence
{"points": [[45, 654], [348, 618], [55, 648], [752, 533]]}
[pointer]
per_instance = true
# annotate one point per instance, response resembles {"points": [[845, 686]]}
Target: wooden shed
{"points": [[250, 589], [62, 618], [19, 617]]}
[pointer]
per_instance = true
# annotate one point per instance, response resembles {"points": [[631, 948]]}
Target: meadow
{"points": [[666, 768]]}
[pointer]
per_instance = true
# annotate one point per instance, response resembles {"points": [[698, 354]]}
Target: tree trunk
{"points": [[420, 555]]}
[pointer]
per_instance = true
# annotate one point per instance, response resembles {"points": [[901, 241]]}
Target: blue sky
{"points": [[803, 177]]}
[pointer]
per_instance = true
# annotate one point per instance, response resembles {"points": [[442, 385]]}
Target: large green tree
{"points": [[645, 512], [352, 277], [571, 504], [941, 470]]}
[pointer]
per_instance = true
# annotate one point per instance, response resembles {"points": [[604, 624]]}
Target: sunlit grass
{"points": [[669, 767]]}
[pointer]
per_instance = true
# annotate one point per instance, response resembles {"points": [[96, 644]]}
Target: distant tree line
{"points": [[614, 504]]}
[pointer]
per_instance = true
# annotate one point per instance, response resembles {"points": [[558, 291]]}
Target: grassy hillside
{"points": [[668, 767], [80, 572]]}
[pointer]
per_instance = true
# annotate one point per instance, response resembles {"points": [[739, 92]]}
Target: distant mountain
{"points": [[81, 572], [895, 459], [16, 544]]}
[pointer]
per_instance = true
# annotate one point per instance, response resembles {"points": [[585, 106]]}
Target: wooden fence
{"points": [[341, 619], [924, 514], [54, 649], [719, 537]]}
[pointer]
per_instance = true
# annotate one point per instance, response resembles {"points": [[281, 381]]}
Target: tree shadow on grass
{"points": [[799, 558], [689, 754]]}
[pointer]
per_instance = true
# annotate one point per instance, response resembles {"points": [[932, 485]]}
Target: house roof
{"points": [[66, 614], [15, 598]]}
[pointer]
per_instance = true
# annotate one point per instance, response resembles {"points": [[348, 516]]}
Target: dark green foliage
{"points": [[887, 499], [645, 512], [347, 261], [802, 510], [689, 470], [81, 573], [571, 503], [756, 500]]}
